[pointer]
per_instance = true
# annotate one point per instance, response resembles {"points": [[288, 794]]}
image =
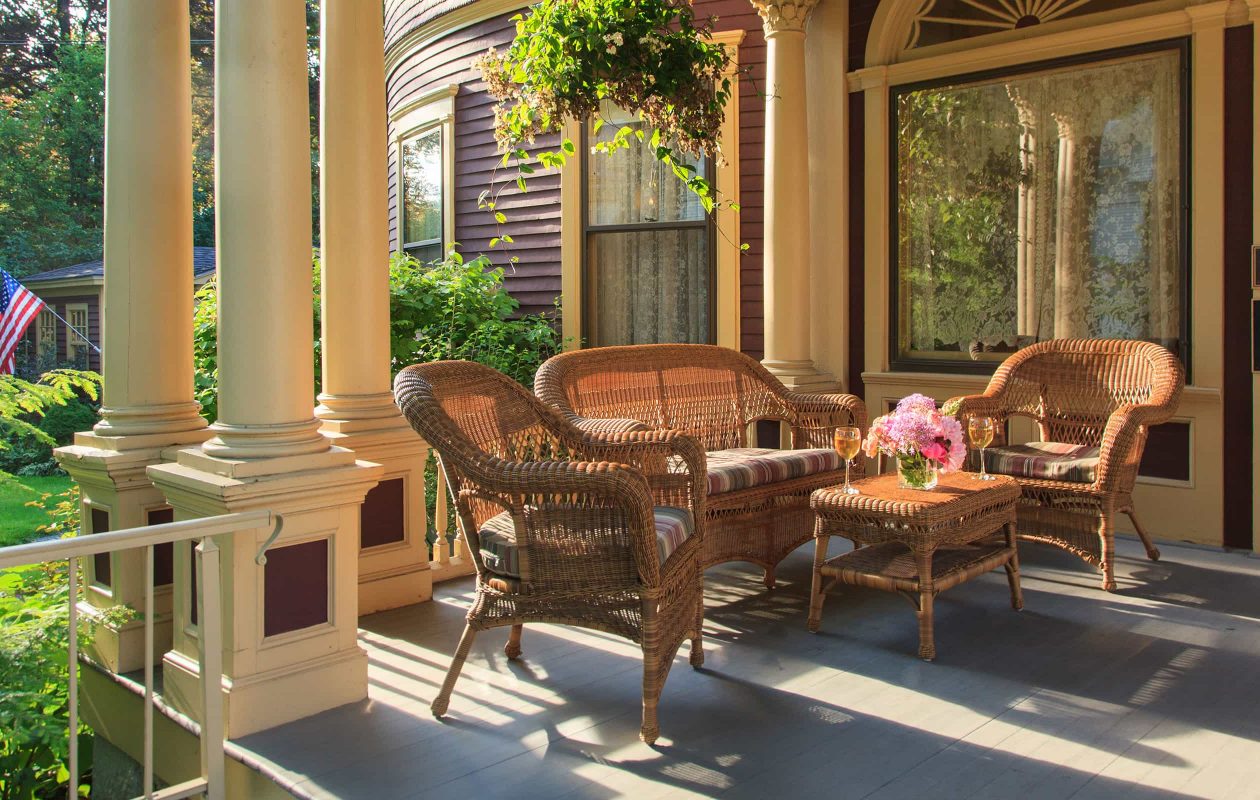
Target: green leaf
{"points": [[500, 217]]}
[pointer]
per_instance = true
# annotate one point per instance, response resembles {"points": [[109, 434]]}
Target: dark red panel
{"points": [[1167, 454], [1236, 306], [163, 554], [295, 587], [381, 517], [101, 562], [861, 12]]}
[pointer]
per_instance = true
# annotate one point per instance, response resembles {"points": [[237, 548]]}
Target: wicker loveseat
{"points": [[1093, 401], [565, 526], [757, 499]]}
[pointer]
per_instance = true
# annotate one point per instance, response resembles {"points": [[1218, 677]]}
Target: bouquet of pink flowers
{"points": [[921, 438]]}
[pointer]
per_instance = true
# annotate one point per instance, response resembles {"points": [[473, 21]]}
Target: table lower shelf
{"points": [[891, 566]]}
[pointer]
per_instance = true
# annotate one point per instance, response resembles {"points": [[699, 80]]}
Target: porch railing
{"points": [[209, 615], [450, 557]]}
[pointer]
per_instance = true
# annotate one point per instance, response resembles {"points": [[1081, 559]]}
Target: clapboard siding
{"points": [[533, 216]]}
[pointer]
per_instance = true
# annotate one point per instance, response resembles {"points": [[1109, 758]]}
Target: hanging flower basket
{"points": [[649, 56]]}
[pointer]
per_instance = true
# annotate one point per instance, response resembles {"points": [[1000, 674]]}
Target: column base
{"points": [[393, 552], [150, 426], [801, 376], [267, 699], [116, 493], [290, 625]]}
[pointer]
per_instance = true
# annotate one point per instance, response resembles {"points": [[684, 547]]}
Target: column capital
{"points": [[783, 15]]}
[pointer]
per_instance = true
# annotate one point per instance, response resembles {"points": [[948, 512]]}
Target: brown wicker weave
{"points": [[582, 508], [918, 543], [713, 394], [1104, 393]]}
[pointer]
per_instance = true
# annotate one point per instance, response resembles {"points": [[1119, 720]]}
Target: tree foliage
{"points": [[449, 309], [52, 152]]}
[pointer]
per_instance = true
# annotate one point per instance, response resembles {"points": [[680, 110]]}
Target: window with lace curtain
{"points": [[1041, 205], [648, 262]]}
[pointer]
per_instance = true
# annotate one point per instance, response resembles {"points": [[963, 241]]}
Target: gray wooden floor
{"points": [[1152, 692]]}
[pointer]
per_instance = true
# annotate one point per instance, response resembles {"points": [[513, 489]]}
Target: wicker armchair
{"points": [[1093, 401], [715, 394], [564, 526]]}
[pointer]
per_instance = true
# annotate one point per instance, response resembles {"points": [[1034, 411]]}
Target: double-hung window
{"points": [[422, 190], [649, 254], [424, 142]]}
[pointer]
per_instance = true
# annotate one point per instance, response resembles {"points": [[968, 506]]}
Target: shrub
{"points": [[449, 309], [457, 309]]}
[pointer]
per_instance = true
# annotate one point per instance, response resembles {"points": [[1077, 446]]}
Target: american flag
{"points": [[18, 308]]}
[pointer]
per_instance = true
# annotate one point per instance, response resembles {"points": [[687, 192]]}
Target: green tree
{"points": [[52, 152]]}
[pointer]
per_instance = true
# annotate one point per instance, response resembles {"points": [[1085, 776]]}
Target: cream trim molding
{"points": [[1159, 20], [433, 108]]}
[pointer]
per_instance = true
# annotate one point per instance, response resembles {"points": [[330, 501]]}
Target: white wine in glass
{"points": [[848, 442], [980, 431]]}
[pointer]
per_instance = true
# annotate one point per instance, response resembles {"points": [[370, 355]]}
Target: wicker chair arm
{"points": [[673, 464], [815, 417], [580, 485], [1123, 441]]}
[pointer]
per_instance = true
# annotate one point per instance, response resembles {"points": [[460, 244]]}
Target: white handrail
{"points": [[98, 543], [209, 608]]}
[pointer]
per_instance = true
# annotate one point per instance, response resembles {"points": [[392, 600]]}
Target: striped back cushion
{"points": [[745, 467]]}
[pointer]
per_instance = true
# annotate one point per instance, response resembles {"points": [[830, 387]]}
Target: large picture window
{"points": [[1041, 205], [421, 173], [649, 251]]}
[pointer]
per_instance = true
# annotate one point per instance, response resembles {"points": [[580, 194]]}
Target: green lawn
{"points": [[19, 522]]}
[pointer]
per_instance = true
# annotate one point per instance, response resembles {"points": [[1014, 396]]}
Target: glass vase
{"points": [[916, 472]]}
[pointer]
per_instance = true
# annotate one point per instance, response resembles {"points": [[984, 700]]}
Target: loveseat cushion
{"points": [[746, 467], [501, 555], [1054, 461]]}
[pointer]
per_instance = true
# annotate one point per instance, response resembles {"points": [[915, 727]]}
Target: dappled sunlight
{"points": [[1121, 692]]}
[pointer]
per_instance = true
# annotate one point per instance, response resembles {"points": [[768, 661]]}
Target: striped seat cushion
{"points": [[745, 467], [501, 555], [1054, 461]]}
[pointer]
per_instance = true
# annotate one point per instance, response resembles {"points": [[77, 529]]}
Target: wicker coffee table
{"points": [[915, 542]]}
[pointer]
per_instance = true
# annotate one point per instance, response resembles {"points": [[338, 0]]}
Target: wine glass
{"points": [[980, 431], [848, 441]]}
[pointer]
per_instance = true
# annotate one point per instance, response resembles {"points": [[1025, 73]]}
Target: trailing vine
{"points": [[569, 57]]}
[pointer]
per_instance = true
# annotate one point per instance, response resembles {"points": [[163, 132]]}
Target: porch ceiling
{"points": [[1149, 692]]}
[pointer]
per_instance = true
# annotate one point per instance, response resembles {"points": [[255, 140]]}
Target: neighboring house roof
{"points": [[94, 271]]}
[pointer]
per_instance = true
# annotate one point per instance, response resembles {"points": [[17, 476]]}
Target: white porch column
{"points": [[1070, 249], [357, 404], [787, 244], [147, 312], [290, 626]]}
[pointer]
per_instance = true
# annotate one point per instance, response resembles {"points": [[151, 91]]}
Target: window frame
{"points": [[708, 223], [74, 343], [1181, 45], [433, 109], [46, 334]]}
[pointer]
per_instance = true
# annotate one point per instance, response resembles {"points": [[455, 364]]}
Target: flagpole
{"points": [[76, 331]]}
